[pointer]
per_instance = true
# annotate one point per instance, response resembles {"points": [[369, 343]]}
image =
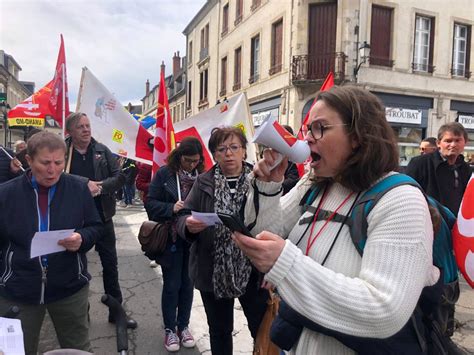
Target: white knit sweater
{"points": [[372, 296]]}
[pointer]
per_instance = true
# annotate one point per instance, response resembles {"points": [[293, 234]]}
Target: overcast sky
{"points": [[121, 41]]}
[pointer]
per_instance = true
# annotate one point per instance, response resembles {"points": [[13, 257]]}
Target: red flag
{"points": [[164, 131], [59, 101], [328, 83], [463, 234], [32, 111]]}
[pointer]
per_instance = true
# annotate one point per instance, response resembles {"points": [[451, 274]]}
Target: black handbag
{"points": [[153, 237]]}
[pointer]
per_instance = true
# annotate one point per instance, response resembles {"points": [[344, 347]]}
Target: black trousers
{"points": [[107, 250], [220, 314]]}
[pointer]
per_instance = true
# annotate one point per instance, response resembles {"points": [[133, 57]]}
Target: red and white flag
{"points": [[50, 100], [463, 234], [59, 101], [328, 83], [164, 133]]}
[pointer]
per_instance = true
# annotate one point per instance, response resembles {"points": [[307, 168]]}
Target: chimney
{"points": [[176, 65], [162, 68], [147, 87], [129, 107]]}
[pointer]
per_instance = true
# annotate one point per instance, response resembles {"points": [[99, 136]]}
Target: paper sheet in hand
{"points": [[11, 336], [210, 218], [44, 243]]}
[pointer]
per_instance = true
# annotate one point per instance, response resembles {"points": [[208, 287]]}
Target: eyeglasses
{"points": [[191, 161], [317, 129], [234, 148]]}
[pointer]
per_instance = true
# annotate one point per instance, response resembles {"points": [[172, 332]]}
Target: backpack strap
{"points": [[358, 227]]}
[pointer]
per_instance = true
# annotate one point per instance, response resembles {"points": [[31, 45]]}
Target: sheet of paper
{"points": [[44, 243], [210, 218], [11, 337]]}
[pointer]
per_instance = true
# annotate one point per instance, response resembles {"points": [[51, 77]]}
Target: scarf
{"points": [[231, 267], [186, 181]]}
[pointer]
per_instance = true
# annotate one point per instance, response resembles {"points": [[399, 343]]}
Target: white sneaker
{"points": [[171, 341], [187, 339]]}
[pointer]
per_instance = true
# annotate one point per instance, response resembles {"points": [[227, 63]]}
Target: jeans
{"points": [[220, 314], [178, 290], [106, 248], [69, 316], [129, 192]]}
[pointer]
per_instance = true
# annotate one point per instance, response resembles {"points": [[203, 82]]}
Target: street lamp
{"points": [[364, 52], [4, 107]]}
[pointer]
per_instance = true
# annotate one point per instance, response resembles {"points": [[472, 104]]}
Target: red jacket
{"points": [[143, 179]]}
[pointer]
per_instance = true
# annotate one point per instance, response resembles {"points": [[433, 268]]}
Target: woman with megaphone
{"points": [[303, 242]]}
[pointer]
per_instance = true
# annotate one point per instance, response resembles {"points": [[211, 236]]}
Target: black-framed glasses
{"points": [[234, 148], [316, 128]]}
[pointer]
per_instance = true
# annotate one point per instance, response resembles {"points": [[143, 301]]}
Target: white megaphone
{"points": [[273, 135]]}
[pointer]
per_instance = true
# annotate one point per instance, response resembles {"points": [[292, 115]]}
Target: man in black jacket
{"points": [[9, 168], [97, 166]]}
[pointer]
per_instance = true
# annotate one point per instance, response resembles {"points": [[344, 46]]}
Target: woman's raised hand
{"points": [[265, 168]]}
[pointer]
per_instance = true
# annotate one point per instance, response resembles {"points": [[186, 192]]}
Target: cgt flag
{"points": [[463, 234], [50, 100], [164, 133]]}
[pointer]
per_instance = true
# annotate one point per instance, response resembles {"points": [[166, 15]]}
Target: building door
{"points": [[321, 39]]}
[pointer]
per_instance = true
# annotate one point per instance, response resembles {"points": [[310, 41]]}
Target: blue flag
{"points": [[145, 121]]}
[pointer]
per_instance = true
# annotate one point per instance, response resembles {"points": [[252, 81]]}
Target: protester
{"points": [[95, 164], [45, 199], [169, 188], [291, 174], [143, 180], [129, 170], [428, 145], [317, 271], [18, 146], [218, 268], [9, 166], [20, 154], [444, 175]]}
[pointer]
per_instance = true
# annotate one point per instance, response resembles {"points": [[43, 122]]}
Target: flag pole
{"points": [[63, 98], [81, 86]]}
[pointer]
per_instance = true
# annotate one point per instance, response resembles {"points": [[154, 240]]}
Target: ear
{"points": [[354, 142], [28, 159]]}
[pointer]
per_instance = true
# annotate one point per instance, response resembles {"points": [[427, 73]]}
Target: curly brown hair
{"points": [[377, 151]]}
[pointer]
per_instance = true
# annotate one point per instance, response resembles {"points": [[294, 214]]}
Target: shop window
{"points": [[409, 139], [461, 50], [424, 42]]}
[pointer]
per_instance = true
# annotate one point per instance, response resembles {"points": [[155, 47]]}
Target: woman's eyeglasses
{"points": [[317, 129], [234, 148], [191, 161]]}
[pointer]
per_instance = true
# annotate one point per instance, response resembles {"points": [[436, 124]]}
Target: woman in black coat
{"points": [[167, 191]]}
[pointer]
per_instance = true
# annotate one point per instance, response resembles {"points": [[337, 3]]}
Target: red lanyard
{"points": [[311, 241]]}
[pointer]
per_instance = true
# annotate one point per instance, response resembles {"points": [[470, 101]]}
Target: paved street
{"points": [[141, 287]]}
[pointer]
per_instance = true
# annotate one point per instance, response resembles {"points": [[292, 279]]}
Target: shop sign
{"points": [[259, 117], [466, 121], [402, 115]]}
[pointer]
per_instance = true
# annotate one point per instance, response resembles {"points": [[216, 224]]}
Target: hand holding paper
{"points": [[44, 243]]}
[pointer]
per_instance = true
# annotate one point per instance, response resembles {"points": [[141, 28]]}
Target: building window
{"points": [[190, 52], [203, 81], [189, 93], [424, 41], [380, 36], [225, 19], [239, 4], [277, 47], [255, 4], [204, 52], [254, 59], [223, 76], [237, 69], [461, 50]]}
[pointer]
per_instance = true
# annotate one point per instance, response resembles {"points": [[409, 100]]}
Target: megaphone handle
{"points": [[277, 161]]}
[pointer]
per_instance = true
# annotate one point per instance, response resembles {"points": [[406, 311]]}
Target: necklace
{"points": [[311, 240]]}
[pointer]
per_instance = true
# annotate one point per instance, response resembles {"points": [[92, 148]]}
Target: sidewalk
{"points": [[141, 288]]}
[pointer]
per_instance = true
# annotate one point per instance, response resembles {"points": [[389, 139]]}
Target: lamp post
{"points": [[364, 52], [4, 107]]}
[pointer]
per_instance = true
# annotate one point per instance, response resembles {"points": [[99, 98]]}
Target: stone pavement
{"points": [[141, 287]]}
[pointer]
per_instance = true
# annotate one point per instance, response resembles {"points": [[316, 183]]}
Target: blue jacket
{"points": [[71, 207]]}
